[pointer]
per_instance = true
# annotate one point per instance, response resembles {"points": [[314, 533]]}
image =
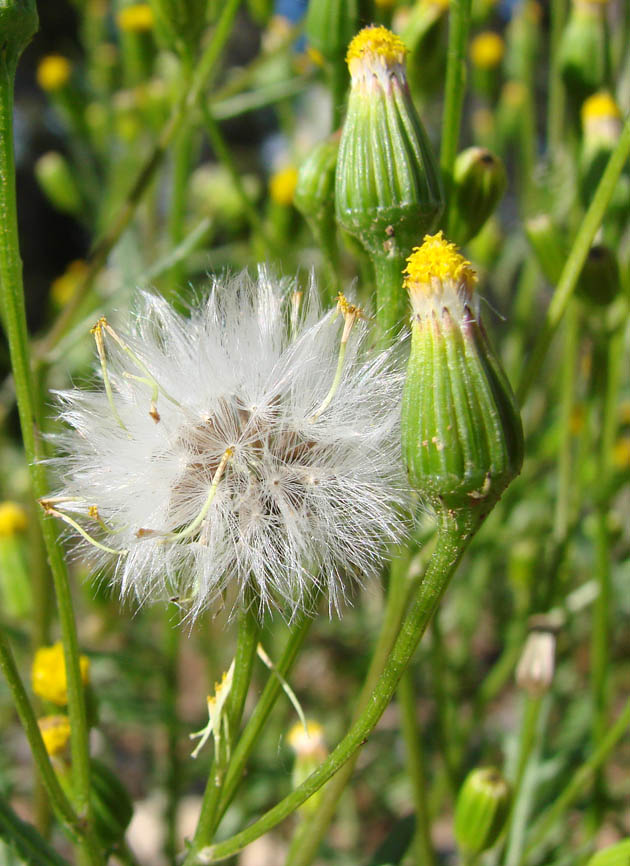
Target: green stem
{"points": [[446, 729], [246, 644], [173, 764], [459, 24], [563, 496], [391, 298], [556, 100], [338, 82], [454, 534], [527, 739], [577, 784], [575, 261], [306, 841], [58, 799], [416, 769], [12, 294], [183, 115]]}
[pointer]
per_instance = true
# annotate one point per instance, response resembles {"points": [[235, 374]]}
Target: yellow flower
{"points": [[621, 453], [53, 72], [436, 262], [375, 47], [62, 289], [308, 743], [282, 185], [49, 674], [486, 50], [12, 519], [55, 732], [137, 18]]}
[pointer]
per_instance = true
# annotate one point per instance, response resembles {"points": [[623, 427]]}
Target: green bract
{"points": [[482, 807]]}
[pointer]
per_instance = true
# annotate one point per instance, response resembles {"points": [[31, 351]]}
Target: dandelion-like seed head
{"points": [[249, 450]]}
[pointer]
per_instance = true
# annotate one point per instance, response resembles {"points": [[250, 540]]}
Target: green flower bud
{"points": [[599, 280], [57, 182], [329, 26], [111, 804], [18, 25], [180, 23], [615, 855], [523, 41], [387, 188], [315, 194], [549, 246], [479, 181], [310, 751], [425, 33], [583, 48], [601, 124], [482, 807], [136, 22], [462, 437]]}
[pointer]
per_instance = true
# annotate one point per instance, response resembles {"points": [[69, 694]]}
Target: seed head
{"points": [[249, 449]]}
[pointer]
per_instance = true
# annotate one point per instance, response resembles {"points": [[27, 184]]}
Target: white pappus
{"points": [[249, 451]]}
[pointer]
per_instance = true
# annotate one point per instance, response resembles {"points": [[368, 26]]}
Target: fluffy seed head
{"points": [[250, 449]]}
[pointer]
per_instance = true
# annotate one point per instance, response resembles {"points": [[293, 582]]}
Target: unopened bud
{"points": [[482, 807], [583, 47], [599, 282], [57, 182], [310, 750], [479, 181], [535, 669]]}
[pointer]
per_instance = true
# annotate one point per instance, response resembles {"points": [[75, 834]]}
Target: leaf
{"points": [[25, 841], [394, 848]]}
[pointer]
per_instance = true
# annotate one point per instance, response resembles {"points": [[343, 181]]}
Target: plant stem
{"points": [[183, 115], [12, 296], [58, 799], [459, 24], [567, 385], [391, 298], [575, 261], [577, 784], [173, 764], [246, 644], [454, 534], [447, 738], [556, 100], [416, 769], [306, 841]]}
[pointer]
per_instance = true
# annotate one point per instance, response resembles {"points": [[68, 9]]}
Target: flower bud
{"points": [[310, 750], [549, 245], [387, 187], [599, 281], [55, 731], [180, 23], [601, 125], [315, 194], [15, 583], [329, 26], [583, 47], [482, 807], [111, 805], [57, 182], [461, 428], [523, 41], [614, 855], [48, 674], [135, 23], [535, 669], [486, 53], [479, 181], [425, 33]]}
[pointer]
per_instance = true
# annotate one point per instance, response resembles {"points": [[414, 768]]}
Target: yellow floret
{"points": [[53, 72], [55, 732], [306, 742], [137, 18], [282, 185], [49, 674], [12, 519], [486, 50], [600, 105], [437, 260], [376, 42]]}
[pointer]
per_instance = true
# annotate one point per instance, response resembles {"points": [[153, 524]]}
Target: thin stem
{"points": [[447, 734], [459, 24], [12, 294], [246, 644], [556, 100], [563, 496], [391, 298], [58, 799], [575, 261], [578, 783], [309, 835], [183, 115], [173, 763], [416, 769], [454, 534]]}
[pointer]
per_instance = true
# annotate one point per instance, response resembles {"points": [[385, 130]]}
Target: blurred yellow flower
{"points": [[12, 519], [62, 289], [55, 732], [282, 185], [137, 18], [486, 50], [53, 72], [48, 674]]}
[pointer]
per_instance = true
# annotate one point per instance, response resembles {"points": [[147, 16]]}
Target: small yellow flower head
{"points": [[486, 50], [137, 18], [375, 51], [48, 674], [514, 93], [282, 185], [62, 289], [600, 105], [307, 743], [621, 454], [53, 72], [437, 271], [12, 519], [55, 732]]}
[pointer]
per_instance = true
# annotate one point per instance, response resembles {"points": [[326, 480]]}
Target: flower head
{"points": [[48, 674], [487, 50], [250, 448], [55, 732], [53, 72], [137, 18], [13, 519]]}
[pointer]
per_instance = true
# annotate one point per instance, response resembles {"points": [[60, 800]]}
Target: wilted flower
{"points": [[248, 449]]}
